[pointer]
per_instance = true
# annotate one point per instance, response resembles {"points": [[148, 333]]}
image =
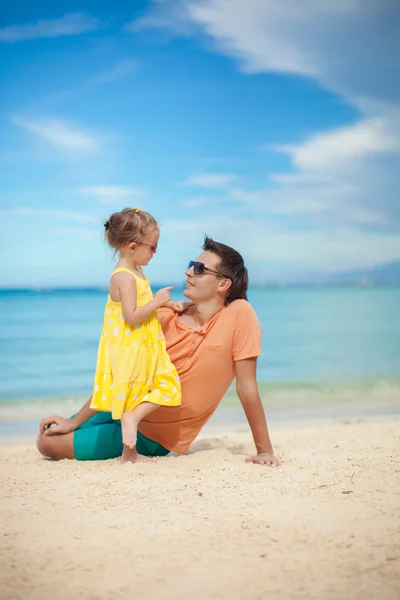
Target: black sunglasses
{"points": [[199, 268]]}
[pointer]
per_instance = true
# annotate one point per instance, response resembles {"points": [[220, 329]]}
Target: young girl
{"points": [[134, 374]]}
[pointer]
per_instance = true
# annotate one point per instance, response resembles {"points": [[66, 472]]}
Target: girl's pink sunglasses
{"points": [[153, 247]]}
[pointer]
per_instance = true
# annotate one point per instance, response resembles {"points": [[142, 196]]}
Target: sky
{"points": [[271, 125]]}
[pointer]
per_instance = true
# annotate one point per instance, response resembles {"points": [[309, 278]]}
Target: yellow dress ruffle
{"points": [[133, 365]]}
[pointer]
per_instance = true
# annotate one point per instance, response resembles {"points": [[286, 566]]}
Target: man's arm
{"points": [[247, 390], [55, 425]]}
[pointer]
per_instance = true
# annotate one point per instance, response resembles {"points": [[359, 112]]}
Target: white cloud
{"points": [[264, 243], [69, 24], [60, 135], [346, 173], [210, 180], [118, 71], [342, 146], [330, 185], [349, 175], [75, 233], [340, 176], [250, 31], [198, 201], [349, 46], [225, 200], [113, 194], [165, 16], [320, 205], [344, 249], [59, 214]]}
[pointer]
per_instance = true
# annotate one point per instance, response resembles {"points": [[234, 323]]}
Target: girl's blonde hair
{"points": [[128, 225]]}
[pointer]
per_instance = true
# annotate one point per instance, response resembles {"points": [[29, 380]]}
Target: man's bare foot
{"points": [[131, 455], [129, 430]]}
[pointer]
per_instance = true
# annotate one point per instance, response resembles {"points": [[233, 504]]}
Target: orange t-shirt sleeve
{"points": [[165, 315], [247, 333]]}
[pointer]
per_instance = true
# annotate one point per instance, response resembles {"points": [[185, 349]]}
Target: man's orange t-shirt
{"points": [[205, 360]]}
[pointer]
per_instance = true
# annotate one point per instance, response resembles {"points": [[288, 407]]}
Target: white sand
{"points": [[207, 525]]}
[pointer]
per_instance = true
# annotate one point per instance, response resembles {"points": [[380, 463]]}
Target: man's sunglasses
{"points": [[200, 268]]}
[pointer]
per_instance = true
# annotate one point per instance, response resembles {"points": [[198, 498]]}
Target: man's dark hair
{"points": [[232, 266]]}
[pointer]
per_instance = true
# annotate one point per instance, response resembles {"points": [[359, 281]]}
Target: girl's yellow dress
{"points": [[133, 365]]}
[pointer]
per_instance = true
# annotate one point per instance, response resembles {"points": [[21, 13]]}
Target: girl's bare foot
{"points": [[129, 425], [131, 455], [129, 430]]}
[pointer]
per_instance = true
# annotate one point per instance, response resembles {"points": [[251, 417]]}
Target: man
{"points": [[217, 339]]}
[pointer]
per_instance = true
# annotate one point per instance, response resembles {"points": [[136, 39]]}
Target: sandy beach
{"points": [[324, 525]]}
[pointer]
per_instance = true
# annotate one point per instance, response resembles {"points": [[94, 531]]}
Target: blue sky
{"points": [[272, 126]]}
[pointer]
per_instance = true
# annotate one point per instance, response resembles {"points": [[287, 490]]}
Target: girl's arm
{"points": [[126, 288], [179, 306]]}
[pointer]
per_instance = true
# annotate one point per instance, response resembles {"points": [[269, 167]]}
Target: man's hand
{"points": [[180, 306], [264, 459], [56, 425]]}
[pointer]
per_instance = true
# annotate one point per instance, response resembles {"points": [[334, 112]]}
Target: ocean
{"points": [[317, 343]]}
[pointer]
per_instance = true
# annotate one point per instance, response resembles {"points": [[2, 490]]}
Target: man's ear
{"points": [[224, 285]]}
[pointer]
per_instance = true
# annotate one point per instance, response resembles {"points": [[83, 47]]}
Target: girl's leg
{"points": [[129, 424]]}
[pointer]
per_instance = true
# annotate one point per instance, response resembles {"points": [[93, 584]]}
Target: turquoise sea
{"points": [[317, 343]]}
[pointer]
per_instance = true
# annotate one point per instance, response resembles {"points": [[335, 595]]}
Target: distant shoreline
{"points": [[180, 286]]}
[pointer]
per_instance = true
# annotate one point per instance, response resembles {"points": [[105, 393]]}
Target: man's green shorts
{"points": [[100, 438]]}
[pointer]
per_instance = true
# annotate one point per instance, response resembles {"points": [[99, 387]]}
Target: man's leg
{"points": [[56, 446], [97, 439]]}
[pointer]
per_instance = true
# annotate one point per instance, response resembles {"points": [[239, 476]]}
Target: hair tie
{"points": [[107, 225], [137, 209]]}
